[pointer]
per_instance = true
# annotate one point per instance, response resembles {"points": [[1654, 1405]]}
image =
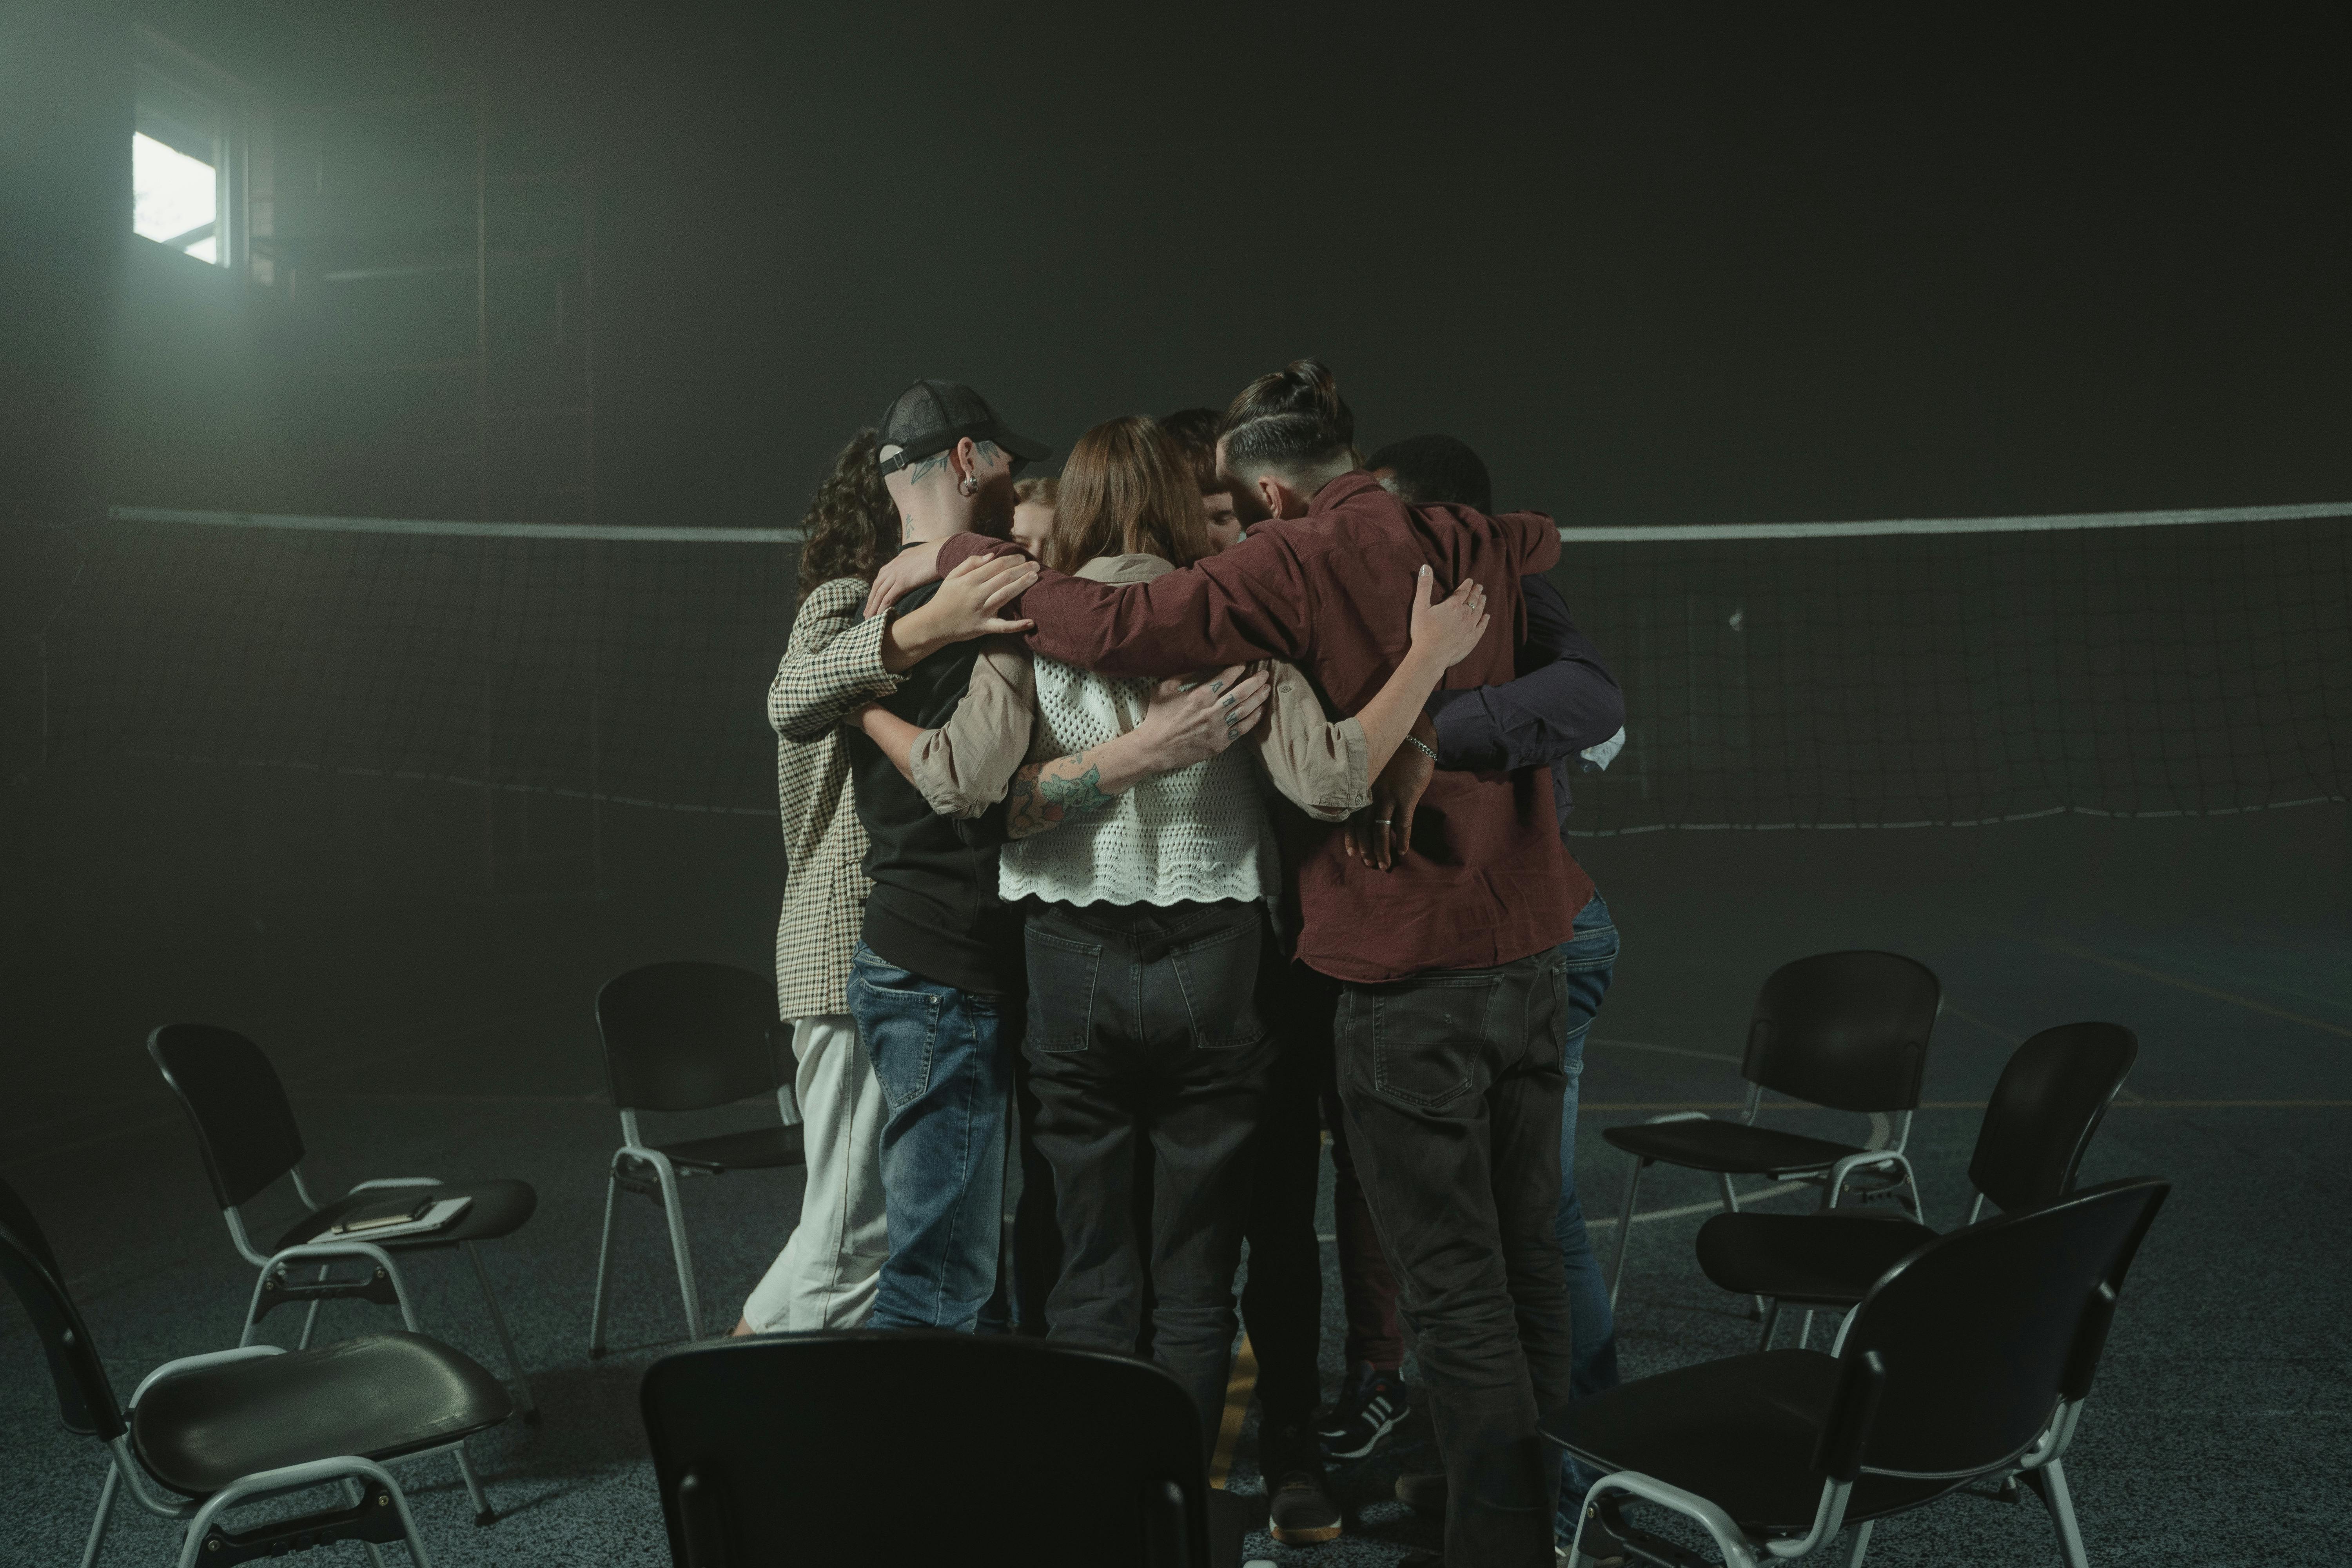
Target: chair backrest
{"points": [[687, 1036], [85, 1398], [2049, 1099], [1978, 1336], [244, 1129], [794, 1449], [1847, 1030]]}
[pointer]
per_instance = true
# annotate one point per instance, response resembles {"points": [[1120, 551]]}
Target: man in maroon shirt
{"points": [[1448, 1028]]}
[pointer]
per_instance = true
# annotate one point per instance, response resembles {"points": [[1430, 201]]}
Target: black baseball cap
{"points": [[930, 417]]}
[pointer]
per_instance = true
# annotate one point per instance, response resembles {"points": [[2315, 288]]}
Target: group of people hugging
{"points": [[1149, 829]]}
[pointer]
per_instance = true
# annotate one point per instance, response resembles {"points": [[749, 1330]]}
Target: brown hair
{"points": [[1194, 431], [1126, 489], [852, 524], [1038, 489]]}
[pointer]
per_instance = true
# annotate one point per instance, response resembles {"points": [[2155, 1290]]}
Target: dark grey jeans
{"points": [[1452, 1083], [1144, 1030]]}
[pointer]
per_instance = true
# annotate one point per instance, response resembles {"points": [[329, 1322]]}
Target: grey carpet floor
{"points": [[2221, 1430]]}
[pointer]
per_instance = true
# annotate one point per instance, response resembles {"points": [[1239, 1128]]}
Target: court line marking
{"points": [[1668, 1050], [2054, 945], [1710, 1207], [387, 1097], [1239, 1386], [2121, 1104], [2270, 985], [1572, 533], [1997, 1031]]}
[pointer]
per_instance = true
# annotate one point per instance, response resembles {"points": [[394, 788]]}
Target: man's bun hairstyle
{"points": [[1292, 420]]}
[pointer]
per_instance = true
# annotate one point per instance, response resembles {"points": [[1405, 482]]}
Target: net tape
{"points": [[1905, 673]]}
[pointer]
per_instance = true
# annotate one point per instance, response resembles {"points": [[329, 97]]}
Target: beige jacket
{"points": [[832, 665], [964, 766]]}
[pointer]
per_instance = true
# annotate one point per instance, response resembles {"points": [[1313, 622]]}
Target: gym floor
{"points": [[2221, 1428]]}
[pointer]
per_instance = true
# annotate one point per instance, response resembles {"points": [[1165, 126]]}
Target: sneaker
{"points": [[1299, 1512], [1370, 1405], [1424, 1493]]}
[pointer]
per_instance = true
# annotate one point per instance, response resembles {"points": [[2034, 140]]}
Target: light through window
{"points": [[174, 199]]}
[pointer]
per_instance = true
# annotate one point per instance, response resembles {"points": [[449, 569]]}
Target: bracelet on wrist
{"points": [[1425, 748]]}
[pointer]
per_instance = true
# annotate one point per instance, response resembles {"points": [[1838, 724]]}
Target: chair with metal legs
{"points": [[1969, 1360], [207, 1434], [1848, 1031], [246, 1134], [686, 1037], [2050, 1098]]}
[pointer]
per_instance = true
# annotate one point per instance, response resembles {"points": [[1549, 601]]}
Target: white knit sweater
{"points": [[1197, 835]]}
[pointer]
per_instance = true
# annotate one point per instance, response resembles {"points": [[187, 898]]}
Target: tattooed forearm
{"points": [[1043, 795], [1082, 792]]}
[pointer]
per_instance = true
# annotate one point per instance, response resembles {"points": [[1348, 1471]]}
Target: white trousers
{"points": [[825, 1275]]}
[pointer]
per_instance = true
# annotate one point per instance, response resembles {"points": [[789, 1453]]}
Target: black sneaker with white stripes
{"points": [[1369, 1406]]}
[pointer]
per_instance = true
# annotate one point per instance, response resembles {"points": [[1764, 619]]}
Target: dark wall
{"points": [[1730, 264], [1658, 266], [1724, 264]]}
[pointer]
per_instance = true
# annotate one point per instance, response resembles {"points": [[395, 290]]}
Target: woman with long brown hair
{"points": [[825, 1275], [1138, 836]]}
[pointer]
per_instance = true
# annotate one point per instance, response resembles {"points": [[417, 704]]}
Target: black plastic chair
{"points": [[1845, 1030], [780, 1449], [1969, 1360], [246, 1134], [2050, 1098], [242, 1425], [687, 1037]]}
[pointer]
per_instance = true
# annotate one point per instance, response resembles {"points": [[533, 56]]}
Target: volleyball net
{"points": [[1825, 675]]}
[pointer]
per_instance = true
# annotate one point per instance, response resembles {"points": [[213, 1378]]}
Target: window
{"points": [[175, 198], [194, 148]]}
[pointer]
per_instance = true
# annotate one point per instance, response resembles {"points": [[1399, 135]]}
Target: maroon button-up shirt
{"points": [[1487, 881]]}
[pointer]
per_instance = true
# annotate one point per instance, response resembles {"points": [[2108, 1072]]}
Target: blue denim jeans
{"points": [[1592, 957], [943, 1058]]}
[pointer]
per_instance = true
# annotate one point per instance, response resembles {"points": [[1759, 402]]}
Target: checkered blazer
{"points": [[832, 664]]}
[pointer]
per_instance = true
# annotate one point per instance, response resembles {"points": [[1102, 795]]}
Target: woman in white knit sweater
{"points": [[1146, 923]]}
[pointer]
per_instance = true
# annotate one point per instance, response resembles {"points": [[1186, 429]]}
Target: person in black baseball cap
{"points": [[943, 431], [938, 981]]}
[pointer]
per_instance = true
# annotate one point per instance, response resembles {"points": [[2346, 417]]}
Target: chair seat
{"points": [[378, 1397], [500, 1209], [1730, 1147], [754, 1148], [1739, 1432], [1832, 1258]]}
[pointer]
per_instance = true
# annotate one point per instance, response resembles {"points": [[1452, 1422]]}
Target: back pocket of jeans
{"points": [[1062, 975], [1428, 1037], [899, 1023], [1219, 975]]}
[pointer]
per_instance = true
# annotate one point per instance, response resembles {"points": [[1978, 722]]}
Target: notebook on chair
{"points": [[393, 1217]]}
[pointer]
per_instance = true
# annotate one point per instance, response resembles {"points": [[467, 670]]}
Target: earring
{"points": [[968, 485]]}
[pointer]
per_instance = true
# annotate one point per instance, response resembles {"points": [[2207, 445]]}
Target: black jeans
{"points": [[1283, 1302], [1452, 1083], [1144, 1029]]}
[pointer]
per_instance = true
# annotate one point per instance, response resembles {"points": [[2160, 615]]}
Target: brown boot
{"points": [[1299, 1512]]}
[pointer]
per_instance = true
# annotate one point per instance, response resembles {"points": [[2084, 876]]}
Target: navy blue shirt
{"points": [[1562, 702]]}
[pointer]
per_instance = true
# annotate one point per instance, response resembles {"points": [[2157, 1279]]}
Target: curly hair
{"points": [[851, 523]]}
